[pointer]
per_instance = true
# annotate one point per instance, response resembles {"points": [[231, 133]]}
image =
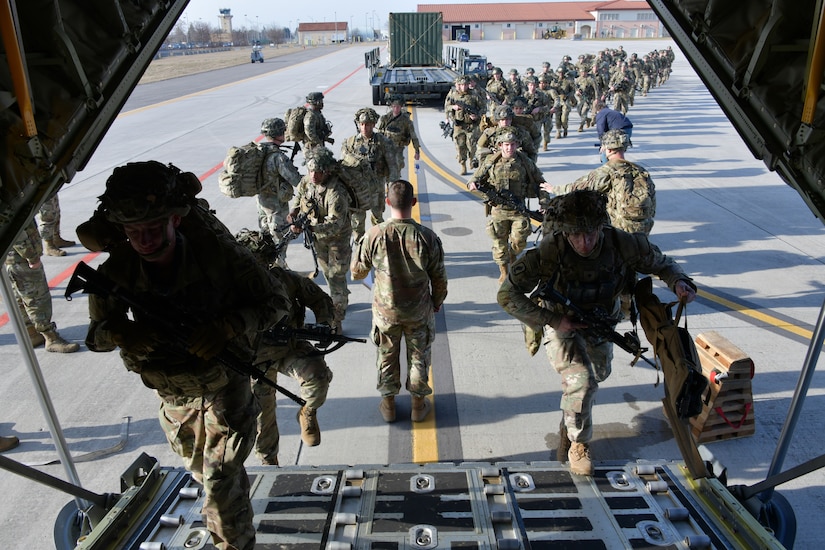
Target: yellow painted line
{"points": [[758, 315]]}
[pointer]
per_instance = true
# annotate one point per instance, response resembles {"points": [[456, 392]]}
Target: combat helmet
{"points": [[319, 159], [273, 127], [396, 98], [315, 98], [615, 139], [502, 112], [497, 70], [146, 191], [367, 114], [261, 245], [507, 135], [581, 211], [513, 71]]}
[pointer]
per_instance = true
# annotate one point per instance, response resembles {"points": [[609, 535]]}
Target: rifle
{"points": [[286, 234], [313, 332], [446, 129], [170, 321], [505, 197], [599, 324], [465, 107]]}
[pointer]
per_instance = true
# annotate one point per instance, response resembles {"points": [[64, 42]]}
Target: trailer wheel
{"points": [[778, 515], [376, 95]]}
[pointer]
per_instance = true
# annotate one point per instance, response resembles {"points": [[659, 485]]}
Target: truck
{"points": [[417, 68]]}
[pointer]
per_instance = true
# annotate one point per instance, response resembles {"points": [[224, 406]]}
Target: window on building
{"points": [[508, 25], [608, 17], [645, 16]]}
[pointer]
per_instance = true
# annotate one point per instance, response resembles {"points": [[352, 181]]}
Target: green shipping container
{"points": [[415, 40]]}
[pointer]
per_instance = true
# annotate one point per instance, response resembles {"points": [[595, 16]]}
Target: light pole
{"points": [[335, 17], [366, 18]]}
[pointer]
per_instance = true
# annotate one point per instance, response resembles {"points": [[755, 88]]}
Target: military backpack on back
{"points": [[633, 192], [294, 118], [243, 170], [357, 176]]}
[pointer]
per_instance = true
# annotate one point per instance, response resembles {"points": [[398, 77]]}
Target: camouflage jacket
{"points": [[399, 130], [28, 245], [410, 277], [279, 176], [376, 150], [498, 90], [538, 100], [486, 143], [597, 280], [518, 174], [316, 128], [470, 103], [327, 207], [216, 279]]}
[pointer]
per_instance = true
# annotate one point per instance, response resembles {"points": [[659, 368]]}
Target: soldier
{"points": [[514, 86], [564, 98], [464, 110], [619, 86], [496, 87], [539, 108], [280, 177], [30, 287], [566, 66], [521, 119], [173, 257], [586, 93], [529, 73], [377, 150], [648, 73], [588, 262], [397, 126], [511, 171], [409, 289], [547, 72], [50, 228], [325, 201], [546, 84], [634, 66], [297, 359], [488, 142], [316, 127]]}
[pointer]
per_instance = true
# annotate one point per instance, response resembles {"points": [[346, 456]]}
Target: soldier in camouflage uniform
{"points": [[464, 111], [539, 108], [563, 95], [173, 257], [589, 263], [546, 84], [296, 358], [324, 199], [514, 86], [316, 127], [50, 228], [523, 120], [648, 73], [586, 93], [496, 87], [29, 285], [280, 177], [488, 142], [620, 84], [399, 129], [611, 179], [409, 289], [378, 151], [511, 171]]}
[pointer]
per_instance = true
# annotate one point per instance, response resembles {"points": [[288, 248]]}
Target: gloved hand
{"points": [[132, 337], [209, 339]]}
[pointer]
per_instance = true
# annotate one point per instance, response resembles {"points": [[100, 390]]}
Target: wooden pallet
{"points": [[728, 411]]}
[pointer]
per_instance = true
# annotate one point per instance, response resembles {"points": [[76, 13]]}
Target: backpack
{"points": [[294, 118], [634, 198], [359, 180], [242, 174]]}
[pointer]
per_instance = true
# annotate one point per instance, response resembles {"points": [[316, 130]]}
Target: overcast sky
{"points": [[285, 13]]}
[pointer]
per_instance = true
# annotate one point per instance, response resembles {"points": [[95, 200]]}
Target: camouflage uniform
{"points": [[514, 86], [50, 228], [497, 88], [587, 93], [545, 125], [401, 132], [465, 123], [279, 178], [597, 280], [327, 206], [620, 84], [207, 411], [31, 289], [316, 128], [564, 98], [298, 359], [507, 227], [539, 107], [488, 142], [408, 288], [378, 150]]}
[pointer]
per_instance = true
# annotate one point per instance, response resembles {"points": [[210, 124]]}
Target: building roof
{"points": [[528, 11], [331, 26]]}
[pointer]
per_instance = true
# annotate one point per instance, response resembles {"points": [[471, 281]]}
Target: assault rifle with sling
{"points": [[599, 324], [313, 332], [505, 197], [286, 234], [446, 129], [465, 107], [168, 319]]}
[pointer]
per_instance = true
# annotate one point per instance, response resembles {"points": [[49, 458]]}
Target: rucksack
{"points": [[243, 170], [633, 192], [357, 176], [294, 118]]}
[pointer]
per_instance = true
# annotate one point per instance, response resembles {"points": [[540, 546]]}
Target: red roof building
{"points": [[314, 34], [534, 20]]}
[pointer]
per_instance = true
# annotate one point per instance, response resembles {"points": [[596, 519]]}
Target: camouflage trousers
{"points": [[509, 231], [271, 215], [582, 365], [621, 102], [50, 219], [358, 218], [418, 338], [545, 126], [334, 255], [400, 154], [562, 116], [465, 139], [584, 110], [645, 84], [303, 364], [32, 292], [214, 435]]}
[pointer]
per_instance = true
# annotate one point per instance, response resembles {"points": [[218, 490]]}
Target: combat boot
{"points": [[49, 249], [420, 408], [310, 432], [564, 133], [36, 338], [581, 126], [387, 408], [8, 443], [57, 344], [503, 273], [463, 167], [545, 146], [564, 443], [558, 134], [579, 455], [60, 242]]}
